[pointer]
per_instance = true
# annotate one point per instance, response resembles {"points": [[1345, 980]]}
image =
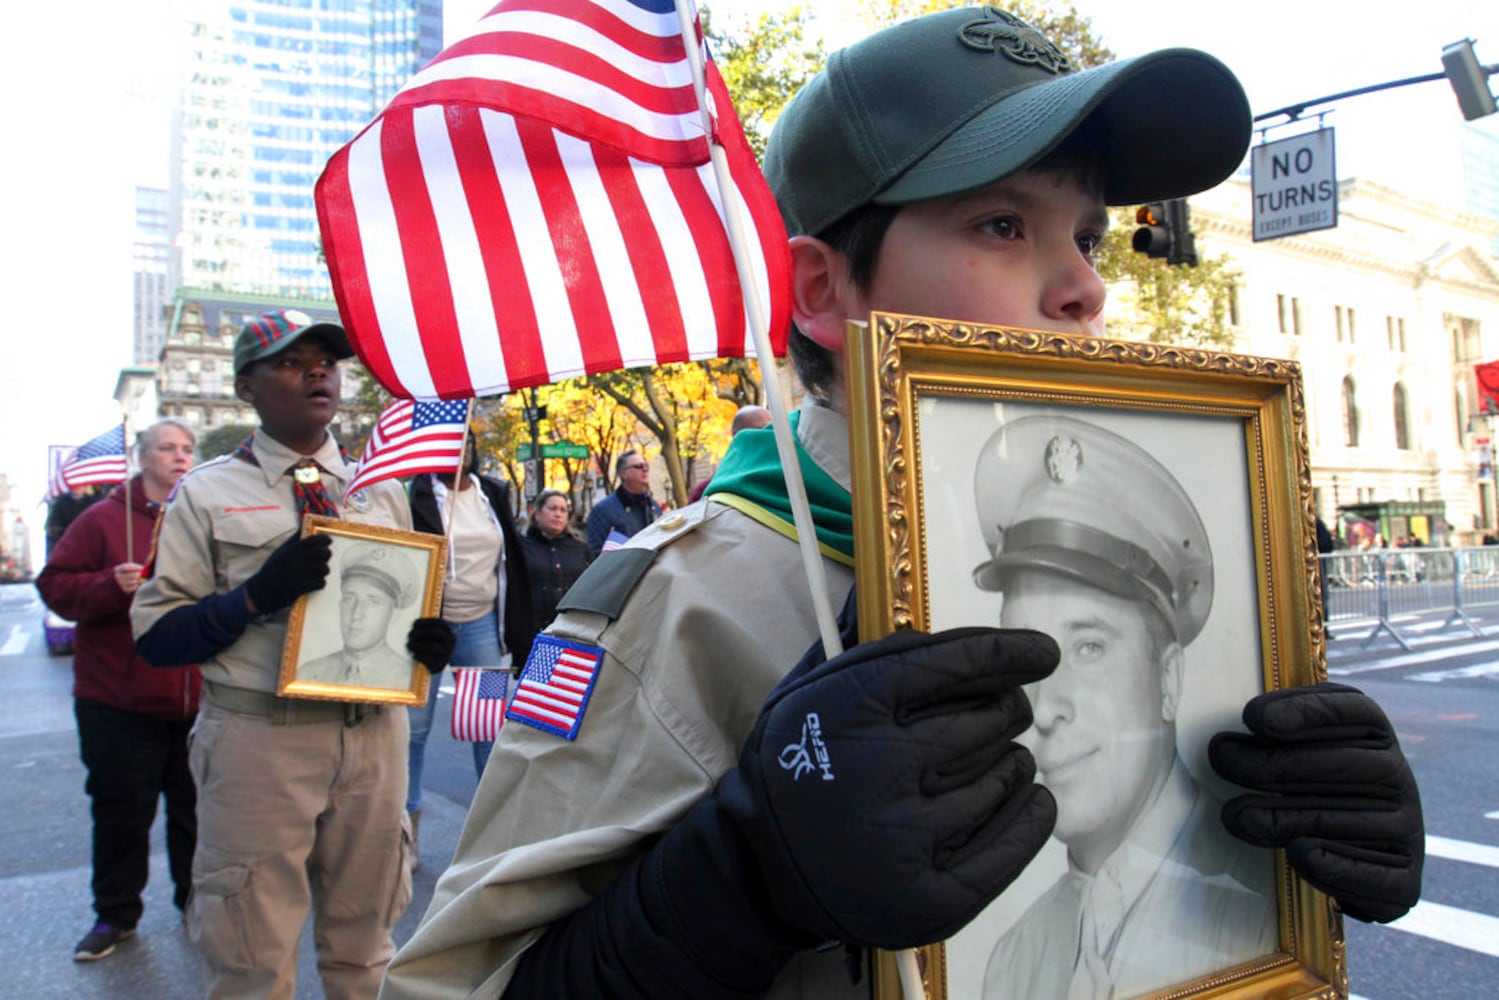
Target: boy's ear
{"points": [[242, 389], [824, 296]]}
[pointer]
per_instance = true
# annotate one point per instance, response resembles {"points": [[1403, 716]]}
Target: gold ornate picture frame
{"points": [[991, 463], [347, 642]]}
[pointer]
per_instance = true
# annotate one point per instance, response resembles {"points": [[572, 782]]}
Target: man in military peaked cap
{"points": [[375, 583], [1098, 545]]}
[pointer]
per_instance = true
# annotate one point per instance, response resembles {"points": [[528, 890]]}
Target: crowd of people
{"points": [[952, 165]]}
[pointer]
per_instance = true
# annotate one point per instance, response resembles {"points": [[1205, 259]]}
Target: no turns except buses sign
{"points": [[1295, 185]]}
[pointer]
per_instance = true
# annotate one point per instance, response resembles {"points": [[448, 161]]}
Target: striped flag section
{"points": [[555, 686], [98, 462], [615, 540], [478, 702], [538, 203], [412, 437]]}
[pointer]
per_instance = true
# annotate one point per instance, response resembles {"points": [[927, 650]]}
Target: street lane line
{"points": [[1474, 931], [15, 643], [1409, 659], [1492, 815], [1462, 850]]}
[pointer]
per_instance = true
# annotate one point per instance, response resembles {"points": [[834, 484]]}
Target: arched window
{"points": [[1402, 419], [1350, 413]]}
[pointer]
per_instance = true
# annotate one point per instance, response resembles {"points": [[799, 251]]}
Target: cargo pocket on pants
{"points": [[400, 892], [219, 920]]}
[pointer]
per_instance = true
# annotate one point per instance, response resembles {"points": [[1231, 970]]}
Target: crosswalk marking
{"points": [[1474, 931], [1462, 850], [1416, 658], [15, 643]]}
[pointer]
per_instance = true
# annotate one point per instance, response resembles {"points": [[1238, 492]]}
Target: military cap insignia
{"points": [[1002, 32], [1064, 457]]}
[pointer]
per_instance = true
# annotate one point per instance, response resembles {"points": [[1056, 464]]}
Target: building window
{"points": [[1295, 315], [1402, 422], [1352, 333], [1280, 313], [1337, 312], [1350, 413], [1400, 334], [1233, 305]]}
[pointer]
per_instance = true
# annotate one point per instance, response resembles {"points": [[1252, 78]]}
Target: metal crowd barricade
{"points": [[1377, 585]]}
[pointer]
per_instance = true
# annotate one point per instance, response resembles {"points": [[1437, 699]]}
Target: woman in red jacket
{"points": [[133, 719]]}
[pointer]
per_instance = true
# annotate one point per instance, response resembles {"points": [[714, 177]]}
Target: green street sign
{"points": [[554, 449]]}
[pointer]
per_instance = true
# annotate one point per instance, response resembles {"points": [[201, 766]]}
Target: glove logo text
{"points": [[810, 753]]}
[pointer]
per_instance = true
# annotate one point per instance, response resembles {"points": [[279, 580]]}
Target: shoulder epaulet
{"points": [[607, 582]]}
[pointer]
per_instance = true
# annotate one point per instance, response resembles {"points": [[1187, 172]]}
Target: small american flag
{"points": [[539, 203], [410, 438], [615, 540], [98, 462], [554, 688], [478, 702]]}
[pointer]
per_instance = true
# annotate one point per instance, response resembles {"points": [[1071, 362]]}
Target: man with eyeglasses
{"points": [[629, 508]]}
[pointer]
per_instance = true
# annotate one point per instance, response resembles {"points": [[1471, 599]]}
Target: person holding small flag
{"points": [[625, 512], [133, 720], [486, 599], [737, 806], [300, 802]]}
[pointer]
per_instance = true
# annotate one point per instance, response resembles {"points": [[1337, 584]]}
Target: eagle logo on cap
{"points": [[1064, 458], [1002, 32]]}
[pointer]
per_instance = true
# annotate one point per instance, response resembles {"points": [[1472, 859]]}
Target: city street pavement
{"points": [[1442, 694], [44, 871]]}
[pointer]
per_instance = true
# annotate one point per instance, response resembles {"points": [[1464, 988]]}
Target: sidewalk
{"points": [[44, 871]]}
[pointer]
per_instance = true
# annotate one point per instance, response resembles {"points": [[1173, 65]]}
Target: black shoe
{"points": [[101, 941]]}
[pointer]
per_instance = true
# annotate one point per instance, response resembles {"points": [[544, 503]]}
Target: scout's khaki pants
{"points": [[292, 816]]}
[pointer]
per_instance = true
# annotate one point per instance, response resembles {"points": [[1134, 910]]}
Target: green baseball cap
{"points": [[951, 101], [274, 332]]}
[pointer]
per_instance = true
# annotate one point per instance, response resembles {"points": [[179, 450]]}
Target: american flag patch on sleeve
{"points": [[555, 685]]}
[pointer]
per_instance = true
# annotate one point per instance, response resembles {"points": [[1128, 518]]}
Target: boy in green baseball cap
{"points": [[726, 821]]}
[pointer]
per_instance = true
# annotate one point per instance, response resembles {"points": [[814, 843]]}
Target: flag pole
{"points": [[447, 528], [801, 511], [129, 519]]}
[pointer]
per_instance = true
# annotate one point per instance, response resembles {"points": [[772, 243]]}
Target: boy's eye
{"points": [[1089, 243], [1006, 227]]}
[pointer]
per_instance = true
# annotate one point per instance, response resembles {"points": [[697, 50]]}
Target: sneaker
{"points": [[101, 941]]}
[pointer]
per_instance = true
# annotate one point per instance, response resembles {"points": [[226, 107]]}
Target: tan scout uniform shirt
{"points": [[721, 615], [225, 518]]}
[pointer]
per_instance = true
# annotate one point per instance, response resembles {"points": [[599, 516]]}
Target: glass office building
{"points": [[272, 89], [149, 257]]}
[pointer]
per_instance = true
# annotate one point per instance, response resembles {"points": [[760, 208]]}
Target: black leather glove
{"points": [[881, 793], [298, 566], [431, 641], [1344, 803]]}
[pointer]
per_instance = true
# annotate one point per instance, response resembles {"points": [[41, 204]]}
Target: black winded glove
{"points": [[1344, 803], [431, 641], [909, 816], [298, 566]]}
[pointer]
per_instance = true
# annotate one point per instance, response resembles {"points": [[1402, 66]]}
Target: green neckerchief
{"points": [[750, 479]]}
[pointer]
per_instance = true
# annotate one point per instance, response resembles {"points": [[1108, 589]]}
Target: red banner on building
{"points": [[1488, 383]]}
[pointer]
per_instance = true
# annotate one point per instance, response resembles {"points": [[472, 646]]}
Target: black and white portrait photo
{"points": [[354, 631], [1126, 536]]}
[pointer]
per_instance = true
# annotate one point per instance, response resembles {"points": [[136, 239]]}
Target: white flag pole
{"points": [[801, 511]]}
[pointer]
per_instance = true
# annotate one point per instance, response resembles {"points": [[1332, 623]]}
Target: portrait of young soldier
{"points": [[1095, 543], [375, 583], [955, 166]]}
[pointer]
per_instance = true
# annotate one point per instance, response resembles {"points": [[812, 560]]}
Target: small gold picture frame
{"points": [[347, 642], [996, 465]]}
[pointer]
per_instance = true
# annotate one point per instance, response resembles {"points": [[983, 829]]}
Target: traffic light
{"points": [[1166, 232], [1469, 79]]}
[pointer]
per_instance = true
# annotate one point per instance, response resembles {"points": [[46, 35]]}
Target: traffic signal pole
{"points": [[1461, 68]]}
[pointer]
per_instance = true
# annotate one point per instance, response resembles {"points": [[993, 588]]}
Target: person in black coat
{"points": [[555, 557]]}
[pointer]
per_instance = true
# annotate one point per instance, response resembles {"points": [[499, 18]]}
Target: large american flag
{"points": [[478, 702], [412, 437], [538, 203], [554, 688], [99, 461]]}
